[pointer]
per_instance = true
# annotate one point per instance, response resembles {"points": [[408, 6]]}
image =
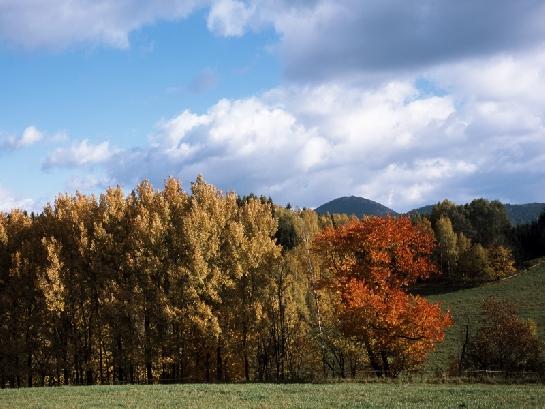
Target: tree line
{"points": [[153, 285], [477, 243], [164, 285], [167, 286]]}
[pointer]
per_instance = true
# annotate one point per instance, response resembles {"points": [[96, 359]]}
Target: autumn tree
{"points": [[504, 341], [458, 216], [20, 302], [372, 262], [489, 220], [447, 251], [474, 264], [161, 285], [501, 261], [114, 290], [144, 263]]}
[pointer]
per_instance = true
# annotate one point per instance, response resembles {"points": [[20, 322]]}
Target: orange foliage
{"points": [[372, 261]]}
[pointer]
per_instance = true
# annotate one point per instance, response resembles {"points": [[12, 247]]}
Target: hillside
{"points": [[524, 213], [517, 213], [525, 290], [353, 205], [424, 210], [359, 206]]}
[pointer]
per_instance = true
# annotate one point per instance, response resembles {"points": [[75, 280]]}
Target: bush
{"points": [[504, 341]]}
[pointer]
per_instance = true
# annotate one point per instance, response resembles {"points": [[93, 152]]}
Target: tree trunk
{"points": [[147, 347], [120, 374], [463, 354], [29, 369], [246, 366], [219, 368], [89, 376], [385, 364], [373, 360], [207, 366], [100, 363]]}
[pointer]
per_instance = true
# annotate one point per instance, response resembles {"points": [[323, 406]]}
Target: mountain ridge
{"points": [[355, 205], [359, 206]]}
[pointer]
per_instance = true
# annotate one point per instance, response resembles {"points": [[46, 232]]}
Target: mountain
{"points": [[424, 210], [353, 205], [524, 213], [359, 206]]}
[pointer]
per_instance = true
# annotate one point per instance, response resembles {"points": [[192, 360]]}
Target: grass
{"points": [[374, 395], [526, 291]]}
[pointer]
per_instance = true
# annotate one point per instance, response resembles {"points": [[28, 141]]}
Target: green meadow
{"points": [[348, 395], [526, 290]]}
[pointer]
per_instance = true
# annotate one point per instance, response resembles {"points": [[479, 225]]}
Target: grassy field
{"points": [[526, 291], [279, 396]]}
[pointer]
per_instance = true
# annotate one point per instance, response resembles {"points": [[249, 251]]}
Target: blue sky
{"points": [[406, 103]]}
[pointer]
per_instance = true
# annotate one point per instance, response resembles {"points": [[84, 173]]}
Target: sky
{"points": [[402, 102]]}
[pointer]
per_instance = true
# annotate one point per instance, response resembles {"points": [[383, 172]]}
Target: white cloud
{"points": [[30, 136], [82, 153], [321, 39], [87, 183], [414, 183], [59, 23], [352, 119], [307, 144], [230, 17], [240, 141], [302, 144], [9, 201], [518, 77], [390, 142]]}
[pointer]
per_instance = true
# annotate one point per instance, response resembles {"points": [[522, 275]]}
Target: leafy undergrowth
{"points": [[278, 396], [526, 290]]}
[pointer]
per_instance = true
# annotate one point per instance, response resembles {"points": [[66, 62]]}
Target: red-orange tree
{"points": [[371, 263]]}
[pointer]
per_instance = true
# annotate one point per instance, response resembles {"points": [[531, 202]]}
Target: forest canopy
{"points": [[169, 286]]}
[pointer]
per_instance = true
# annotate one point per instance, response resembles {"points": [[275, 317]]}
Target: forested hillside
{"points": [[517, 213], [524, 213], [353, 205]]}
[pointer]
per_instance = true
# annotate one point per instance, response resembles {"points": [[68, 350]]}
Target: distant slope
{"points": [[525, 291], [518, 214], [424, 210], [524, 213], [354, 205]]}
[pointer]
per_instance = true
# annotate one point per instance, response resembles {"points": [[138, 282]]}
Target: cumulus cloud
{"points": [[304, 145], [240, 142], [59, 23], [308, 144], [324, 39], [30, 136], [317, 39], [353, 119], [9, 201], [80, 153], [230, 17], [87, 183], [414, 182], [391, 142]]}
